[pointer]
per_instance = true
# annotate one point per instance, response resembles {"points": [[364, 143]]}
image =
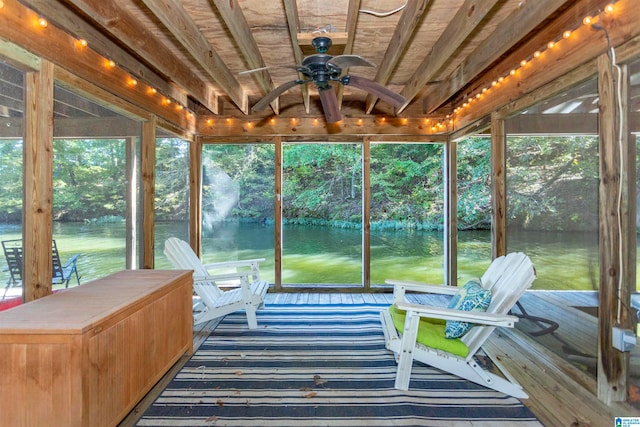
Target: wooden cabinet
{"points": [[87, 355]]}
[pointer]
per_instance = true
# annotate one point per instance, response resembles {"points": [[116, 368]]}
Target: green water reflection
{"points": [[319, 255]]}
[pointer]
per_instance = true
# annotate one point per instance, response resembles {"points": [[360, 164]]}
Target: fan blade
{"points": [[330, 106], [268, 99], [347, 61], [376, 89]]}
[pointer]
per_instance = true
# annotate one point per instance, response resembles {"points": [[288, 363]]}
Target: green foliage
{"points": [[552, 183]]}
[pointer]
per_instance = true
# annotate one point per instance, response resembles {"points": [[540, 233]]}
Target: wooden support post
{"points": [[617, 234], [132, 202], [37, 217], [148, 166], [277, 213], [498, 187], [366, 213], [451, 213], [195, 196]]}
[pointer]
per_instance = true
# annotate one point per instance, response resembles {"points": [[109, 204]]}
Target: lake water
{"points": [[320, 255]]}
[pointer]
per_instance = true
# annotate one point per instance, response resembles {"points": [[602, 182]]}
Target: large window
{"points": [[322, 214], [90, 182], [11, 131], [474, 207], [407, 205], [237, 204], [171, 194]]}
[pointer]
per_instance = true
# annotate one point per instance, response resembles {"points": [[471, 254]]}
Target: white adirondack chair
{"points": [[248, 293], [507, 277]]}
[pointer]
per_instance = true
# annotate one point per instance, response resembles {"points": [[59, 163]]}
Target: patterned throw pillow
{"points": [[471, 297]]}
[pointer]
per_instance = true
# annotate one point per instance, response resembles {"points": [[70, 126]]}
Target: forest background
{"points": [[552, 183]]}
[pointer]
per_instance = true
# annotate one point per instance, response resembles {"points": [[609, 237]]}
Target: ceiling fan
{"points": [[322, 69]]}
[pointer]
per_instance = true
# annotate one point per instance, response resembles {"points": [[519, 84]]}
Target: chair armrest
{"points": [[229, 264], [71, 261], [409, 285], [225, 276], [479, 317]]}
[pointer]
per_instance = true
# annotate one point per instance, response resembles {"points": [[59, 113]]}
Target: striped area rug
{"points": [[310, 365]]}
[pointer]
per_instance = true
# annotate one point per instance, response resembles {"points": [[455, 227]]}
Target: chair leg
{"points": [[407, 346], [252, 320]]}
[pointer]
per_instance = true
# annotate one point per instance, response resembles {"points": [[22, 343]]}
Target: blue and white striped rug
{"points": [[314, 365]]}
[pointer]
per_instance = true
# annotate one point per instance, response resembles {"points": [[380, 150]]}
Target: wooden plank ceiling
{"points": [[433, 52]]}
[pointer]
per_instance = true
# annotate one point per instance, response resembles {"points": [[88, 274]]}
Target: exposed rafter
{"points": [[469, 16], [528, 16], [237, 24], [411, 17], [350, 29], [176, 19], [293, 21], [122, 25]]}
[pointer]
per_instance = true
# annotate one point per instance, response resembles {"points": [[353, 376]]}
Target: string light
{"points": [[43, 22], [587, 20], [210, 122]]}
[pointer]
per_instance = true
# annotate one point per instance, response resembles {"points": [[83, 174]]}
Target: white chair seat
{"points": [[248, 291], [507, 277]]}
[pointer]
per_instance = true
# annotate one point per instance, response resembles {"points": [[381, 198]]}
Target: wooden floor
{"points": [[561, 393]]}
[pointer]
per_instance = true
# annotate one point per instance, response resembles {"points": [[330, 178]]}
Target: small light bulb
{"points": [[484, 90], [512, 72], [500, 79], [551, 44], [609, 8], [566, 34], [523, 62], [133, 82], [209, 122], [537, 54], [83, 42], [587, 20], [43, 22], [1, 4]]}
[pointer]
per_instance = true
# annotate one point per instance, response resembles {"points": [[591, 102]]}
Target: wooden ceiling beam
{"points": [[350, 28], [237, 24], [293, 21], [529, 16], [464, 23], [411, 17], [178, 21], [57, 11]]}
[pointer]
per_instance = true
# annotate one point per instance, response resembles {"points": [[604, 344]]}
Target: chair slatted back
{"points": [[508, 277], [182, 257], [57, 272], [13, 255]]}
